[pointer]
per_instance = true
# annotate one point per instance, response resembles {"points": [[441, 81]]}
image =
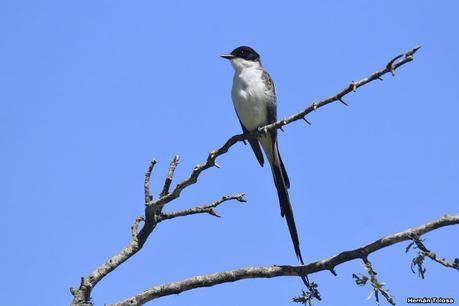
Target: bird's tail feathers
{"points": [[281, 182], [284, 172]]}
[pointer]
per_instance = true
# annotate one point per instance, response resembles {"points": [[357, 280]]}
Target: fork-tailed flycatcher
{"points": [[254, 99]]}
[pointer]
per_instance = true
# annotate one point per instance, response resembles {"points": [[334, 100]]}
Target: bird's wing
{"points": [[272, 117], [281, 180], [255, 146]]}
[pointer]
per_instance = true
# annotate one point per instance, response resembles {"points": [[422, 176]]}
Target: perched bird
{"points": [[254, 99]]}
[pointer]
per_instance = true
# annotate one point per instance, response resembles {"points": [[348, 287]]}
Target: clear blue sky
{"points": [[91, 91]]}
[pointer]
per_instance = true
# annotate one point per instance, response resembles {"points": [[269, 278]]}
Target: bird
{"points": [[255, 102]]}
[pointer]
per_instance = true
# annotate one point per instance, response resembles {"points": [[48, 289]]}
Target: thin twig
{"points": [[147, 182], [276, 271], [170, 175], [205, 209]]}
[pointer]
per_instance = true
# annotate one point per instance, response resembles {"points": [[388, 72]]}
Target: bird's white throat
{"points": [[240, 64]]}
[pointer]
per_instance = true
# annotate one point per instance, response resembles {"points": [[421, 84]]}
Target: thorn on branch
{"points": [[342, 101], [307, 121], [332, 271]]}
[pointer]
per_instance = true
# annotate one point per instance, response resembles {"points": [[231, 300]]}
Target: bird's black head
{"points": [[243, 52]]}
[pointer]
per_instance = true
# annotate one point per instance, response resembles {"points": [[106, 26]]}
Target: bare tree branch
{"points": [[276, 271], [205, 209]]}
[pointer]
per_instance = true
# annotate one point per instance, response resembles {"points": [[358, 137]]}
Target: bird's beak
{"points": [[228, 56]]}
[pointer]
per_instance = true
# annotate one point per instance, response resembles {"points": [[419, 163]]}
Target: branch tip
{"points": [[412, 51]]}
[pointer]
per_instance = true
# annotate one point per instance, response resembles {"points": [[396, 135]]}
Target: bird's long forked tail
{"points": [[282, 183], [284, 201]]}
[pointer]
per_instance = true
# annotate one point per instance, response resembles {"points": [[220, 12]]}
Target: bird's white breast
{"points": [[250, 97]]}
